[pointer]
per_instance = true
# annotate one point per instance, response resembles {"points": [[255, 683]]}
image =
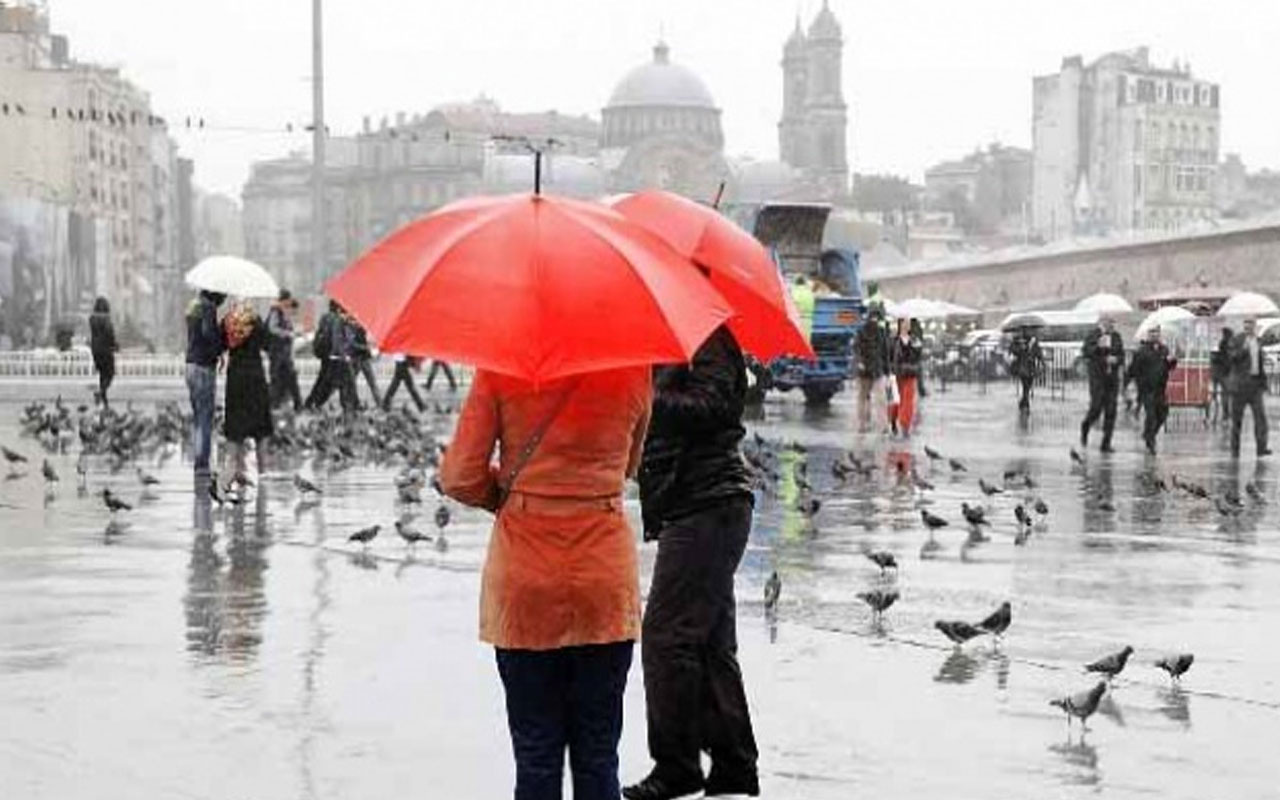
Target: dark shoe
{"points": [[1151, 448], [1106, 448], [1084, 436], [1263, 452], [718, 786], [655, 788]]}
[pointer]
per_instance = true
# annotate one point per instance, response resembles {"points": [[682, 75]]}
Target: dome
{"points": [[661, 83]]}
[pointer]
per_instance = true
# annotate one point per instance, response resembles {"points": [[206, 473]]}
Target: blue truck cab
{"points": [[793, 233]]}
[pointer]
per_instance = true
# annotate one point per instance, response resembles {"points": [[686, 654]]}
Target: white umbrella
{"points": [[232, 276], [956, 310], [1249, 304], [917, 307], [1104, 303], [1167, 315]]}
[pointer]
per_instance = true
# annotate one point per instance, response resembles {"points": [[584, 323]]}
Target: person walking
{"points": [[333, 344], [204, 348], [1152, 363], [1028, 362], [280, 338], [696, 500], [436, 367], [362, 358], [1220, 373], [405, 367], [906, 357], [247, 403], [871, 349], [560, 594], [1104, 357], [1248, 385], [103, 347]]}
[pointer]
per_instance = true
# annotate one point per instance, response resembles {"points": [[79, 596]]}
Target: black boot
{"points": [[655, 788]]}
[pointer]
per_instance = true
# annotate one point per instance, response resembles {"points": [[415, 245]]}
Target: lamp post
{"points": [[319, 263]]}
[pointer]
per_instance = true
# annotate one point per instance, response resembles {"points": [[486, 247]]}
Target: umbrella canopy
{"points": [[1166, 315], [1249, 304], [534, 286], [1104, 303], [232, 276], [766, 322], [922, 308]]}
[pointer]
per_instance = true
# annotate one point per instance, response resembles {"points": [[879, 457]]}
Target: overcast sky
{"points": [[925, 80]]}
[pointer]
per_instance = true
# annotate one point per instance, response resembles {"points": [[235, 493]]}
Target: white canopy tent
{"points": [[1105, 303]]}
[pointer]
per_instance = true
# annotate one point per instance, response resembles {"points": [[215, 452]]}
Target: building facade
{"points": [[1121, 145], [813, 129], [988, 191]]}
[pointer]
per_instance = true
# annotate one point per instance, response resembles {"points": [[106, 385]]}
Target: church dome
{"points": [[661, 83]]}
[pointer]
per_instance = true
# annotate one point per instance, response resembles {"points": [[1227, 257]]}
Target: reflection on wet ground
{"points": [[183, 649]]}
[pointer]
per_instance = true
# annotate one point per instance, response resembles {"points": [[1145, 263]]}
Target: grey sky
{"points": [[925, 79]]}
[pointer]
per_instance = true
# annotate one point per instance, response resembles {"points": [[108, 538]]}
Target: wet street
{"points": [[183, 651]]}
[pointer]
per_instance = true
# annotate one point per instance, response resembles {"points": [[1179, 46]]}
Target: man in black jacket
{"points": [[1104, 356], [1152, 363], [1028, 362], [1248, 384], [871, 349], [284, 376], [204, 347], [696, 499]]}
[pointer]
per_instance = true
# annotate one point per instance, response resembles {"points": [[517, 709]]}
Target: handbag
{"points": [[891, 395], [508, 480]]}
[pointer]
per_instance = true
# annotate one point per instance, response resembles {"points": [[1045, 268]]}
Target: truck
{"points": [[793, 233]]}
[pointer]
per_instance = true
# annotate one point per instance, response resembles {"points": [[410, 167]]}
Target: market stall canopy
{"points": [[1249, 304], [1206, 296], [1105, 303], [1166, 315], [233, 276]]}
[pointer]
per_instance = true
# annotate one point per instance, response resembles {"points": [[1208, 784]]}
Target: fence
{"points": [[988, 368]]}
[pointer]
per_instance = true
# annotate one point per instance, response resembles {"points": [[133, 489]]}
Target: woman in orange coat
{"points": [[560, 596]]}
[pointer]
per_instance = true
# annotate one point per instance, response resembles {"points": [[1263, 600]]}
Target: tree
{"points": [[884, 194]]}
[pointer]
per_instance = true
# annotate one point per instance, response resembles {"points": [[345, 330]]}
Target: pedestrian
{"points": [[440, 366], [906, 356], [405, 367], [1248, 384], [247, 402], [333, 346], [281, 335], [560, 594], [362, 358], [1104, 356], [204, 348], [1220, 373], [871, 349], [696, 500], [1152, 363], [1028, 362], [103, 346], [917, 333]]}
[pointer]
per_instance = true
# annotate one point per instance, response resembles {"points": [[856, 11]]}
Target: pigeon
{"points": [[1111, 665], [410, 536], [114, 503], [1255, 493], [147, 479], [1041, 507], [956, 466], [932, 521], [1226, 508], [1076, 457], [958, 632], [14, 458], [988, 489], [879, 599], [1104, 504], [808, 506], [919, 482], [50, 476], [365, 535], [1029, 483], [442, 516], [1176, 666], [974, 515], [772, 591], [305, 486], [999, 621], [1081, 704], [883, 559], [1020, 513], [932, 454], [409, 495]]}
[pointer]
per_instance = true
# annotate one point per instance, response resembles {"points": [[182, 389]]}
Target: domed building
{"points": [[661, 128]]}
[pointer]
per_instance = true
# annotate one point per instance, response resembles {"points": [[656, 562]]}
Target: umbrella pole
{"points": [[537, 171]]}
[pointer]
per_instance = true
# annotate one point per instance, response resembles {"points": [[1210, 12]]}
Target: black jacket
{"points": [[1220, 361], [905, 357], [1028, 358], [1096, 356], [280, 336], [204, 336], [1242, 377], [102, 335], [691, 455], [1152, 363], [871, 347]]}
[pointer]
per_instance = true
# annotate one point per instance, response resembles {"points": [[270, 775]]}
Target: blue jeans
{"points": [[566, 698], [202, 386]]}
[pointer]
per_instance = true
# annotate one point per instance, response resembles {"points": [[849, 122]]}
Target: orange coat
{"points": [[561, 568]]}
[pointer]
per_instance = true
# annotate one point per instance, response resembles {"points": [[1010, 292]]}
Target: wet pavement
{"points": [[188, 652]]}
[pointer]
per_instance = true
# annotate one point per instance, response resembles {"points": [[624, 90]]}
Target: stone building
{"points": [[813, 130], [1121, 145], [988, 190]]}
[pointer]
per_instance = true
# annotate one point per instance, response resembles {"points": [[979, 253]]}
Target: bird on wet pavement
{"points": [[146, 478], [46, 469], [808, 506], [932, 454], [999, 620], [12, 456], [957, 631], [932, 521], [409, 495], [1021, 515], [989, 489], [365, 535], [974, 515], [305, 486], [410, 536], [1076, 457], [1041, 507], [114, 503], [1226, 508], [1176, 665], [956, 465], [442, 516], [919, 482], [1112, 665], [1255, 493], [879, 600], [1082, 704], [772, 592], [1104, 504], [882, 559]]}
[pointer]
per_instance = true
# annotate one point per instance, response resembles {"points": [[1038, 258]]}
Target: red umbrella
{"points": [[766, 322], [534, 286]]}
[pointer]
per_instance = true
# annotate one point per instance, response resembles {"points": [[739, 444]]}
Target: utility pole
{"points": [[319, 262]]}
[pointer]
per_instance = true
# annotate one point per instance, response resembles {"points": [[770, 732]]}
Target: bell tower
{"points": [[792, 147], [826, 115]]}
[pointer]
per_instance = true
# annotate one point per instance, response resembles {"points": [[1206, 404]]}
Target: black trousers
{"points": [[335, 375], [1024, 401], [403, 375], [284, 383], [105, 364], [689, 648], [1103, 396], [1155, 410], [438, 366], [568, 698], [1251, 397], [364, 366]]}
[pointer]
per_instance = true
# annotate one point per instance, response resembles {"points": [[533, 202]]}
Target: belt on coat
{"points": [[566, 505]]}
